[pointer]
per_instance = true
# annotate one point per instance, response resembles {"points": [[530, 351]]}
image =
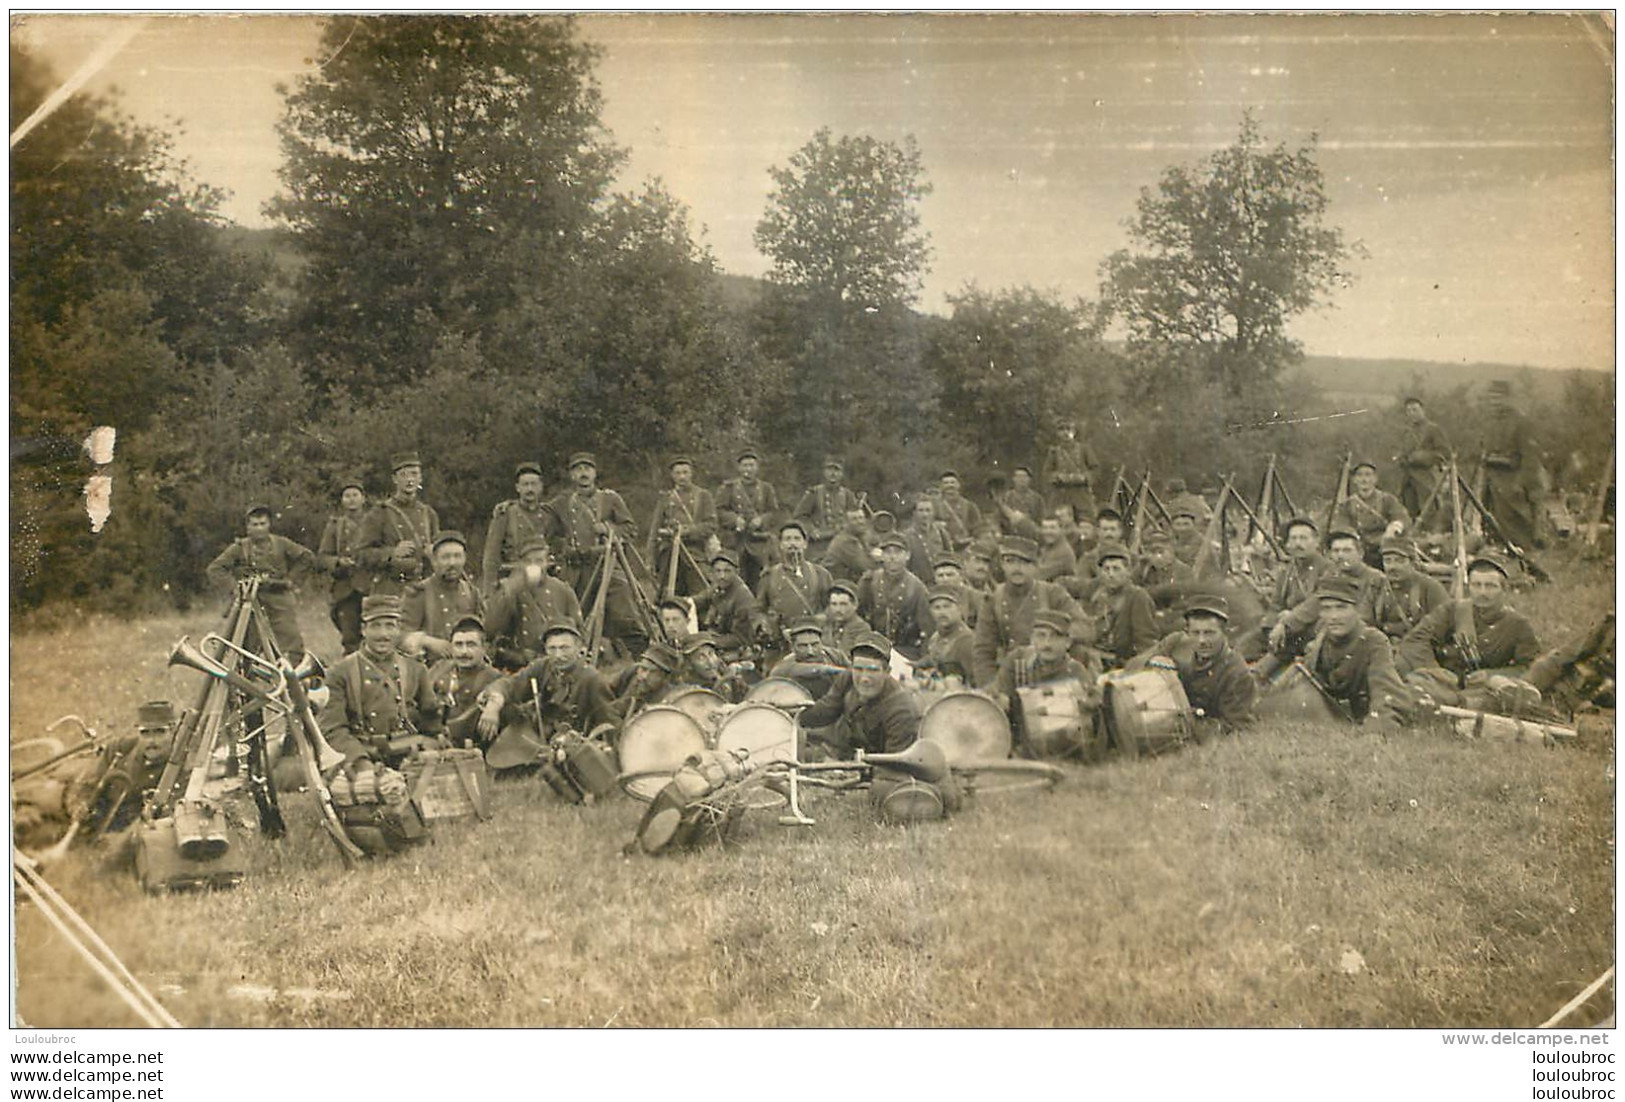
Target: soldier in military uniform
{"points": [[1421, 458], [823, 508], [1347, 556], [979, 563], [843, 626], [1408, 595], [573, 695], [1043, 660], [1288, 623], [1512, 470], [894, 600], [812, 663], [280, 563], [677, 619], [382, 705], [336, 557], [847, 557], [647, 679], [790, 589], [961, 516], [1220, 688], [691, 512], [1161, 574], [1351, 661], [397, 534], [1057, 562], [1021, 501], [949, 570], [948, 651], [1188, 536], [526, 601], [1069, 469], [589, 515], [1579, 675], [458, 681], [727, 610], [866, 709], [1445, 656], [1123, 615], [1006, 620], [927, 538], [1109, 530], [516, 523], [433, 605], [747, 506], [1369, 512]]}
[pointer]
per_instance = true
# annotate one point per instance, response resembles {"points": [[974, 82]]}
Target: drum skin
{"points": [[781, 692], [1292, 696], [760, 729], [657, 740], [1147, 712], [702, 705], [968, 726]]}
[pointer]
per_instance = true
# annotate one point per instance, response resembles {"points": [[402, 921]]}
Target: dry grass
{"points": [[1230, 885]]}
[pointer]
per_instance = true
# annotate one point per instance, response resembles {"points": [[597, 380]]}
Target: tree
{"points": [[439, 170], [1224, 254], [842, 228]]}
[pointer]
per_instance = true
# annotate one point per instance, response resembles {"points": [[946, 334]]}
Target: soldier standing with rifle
{"points": [[1512, 471], [396, 536], [746, 509], [590, 515], [1421, 457], [280, 563], [336, 557], [680, 533]]}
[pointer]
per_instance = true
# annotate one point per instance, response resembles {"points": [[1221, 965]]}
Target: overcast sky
{"points": [[1471, 155]]}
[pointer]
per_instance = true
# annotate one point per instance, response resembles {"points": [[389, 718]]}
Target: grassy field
{"points": [[1295, 876]]}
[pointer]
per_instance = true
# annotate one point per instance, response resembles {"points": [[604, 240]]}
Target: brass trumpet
{"points": [[310, 670]]}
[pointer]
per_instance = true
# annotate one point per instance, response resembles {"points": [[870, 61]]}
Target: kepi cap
{"points": [[449, 535], [873, 641], [1209, 604], [383, 606], [582, 458], [1019, 547], [404, 459], [1338, 587], [1053, 619]]}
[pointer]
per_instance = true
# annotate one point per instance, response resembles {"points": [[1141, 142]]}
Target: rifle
{"points": [[1487, 520], [1342, 493], [1214, 527], [1137, 526], [1462, 609], [671, 567], [1266, 501], [1256, 525]]}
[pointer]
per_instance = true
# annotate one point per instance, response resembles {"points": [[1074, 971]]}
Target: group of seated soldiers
{"points": [[1026, 595]]}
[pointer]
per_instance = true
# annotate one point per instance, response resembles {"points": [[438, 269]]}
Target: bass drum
{"points": [[701, 705], [781, 692], [1291, 695], [653, 746], [1058, 720], [1147, 712], [761, 731], [968, 726]]}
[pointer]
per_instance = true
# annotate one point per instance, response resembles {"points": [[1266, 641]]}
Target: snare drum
{"points": [[968, 726], [1147, 712], [1058, 720], [781, 692], [701, 705], [657, 741], [1291, 695], [762, 731]]}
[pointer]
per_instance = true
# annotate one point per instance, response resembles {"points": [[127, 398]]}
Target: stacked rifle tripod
{"points": [[184, 838]]}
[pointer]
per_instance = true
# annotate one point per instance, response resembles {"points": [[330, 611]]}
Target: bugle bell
{"points": [[185, 653], [924, 761]]}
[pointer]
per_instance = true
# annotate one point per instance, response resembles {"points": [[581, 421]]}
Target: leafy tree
{"points": [[842, 228], [843, 224], [1224, 254], [124, 302], [439, 171]]}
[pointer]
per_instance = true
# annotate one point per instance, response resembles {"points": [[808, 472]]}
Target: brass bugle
{"points": [[184, 653], [925, 761]]}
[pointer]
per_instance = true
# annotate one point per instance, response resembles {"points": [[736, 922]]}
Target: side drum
{"points": [[653, 746], [702, 705], [1147, 712], [781, 692], [1058, 720], [968, 726]]}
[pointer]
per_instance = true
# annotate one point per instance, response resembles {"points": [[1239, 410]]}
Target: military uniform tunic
{"points": [[695, 510], [1512, 487], [1359, 672], [961, 517], [458, 692], [950, 652], [341, 539], [279, 562], [823, 510], [815, 674], [387, 524], [373, 702], [786, 594], [1395, 610], [434, 605], [1125, 621], [842, 636], [889, 723], [1006, 622], [1506, 642], [578, 698], [513, 526], [1370, 515], [1220, 689], [1057, 562], [898, 607], [847, 558], [1422, 456], [521, 612], [757, 504], [729, 614]]}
